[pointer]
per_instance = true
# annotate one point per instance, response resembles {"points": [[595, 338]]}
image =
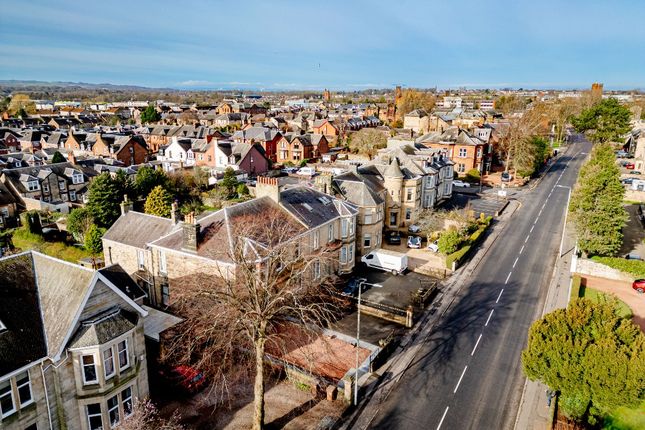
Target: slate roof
{"points": [[128, 230], [312, 207], [357, 189], [104, 327], [117, 276]]}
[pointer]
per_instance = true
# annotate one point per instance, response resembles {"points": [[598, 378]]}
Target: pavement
{"points": [[461, 369]]}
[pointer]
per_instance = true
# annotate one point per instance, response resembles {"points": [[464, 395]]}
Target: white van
{"points": [[306, 171], [388, 261]]}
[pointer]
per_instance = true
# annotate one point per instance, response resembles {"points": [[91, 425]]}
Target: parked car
{"points": [[393, 238], [629, 166], [386, 260], [633, 257], [414, 242], [414, 228], [458, 183], [622, 154], [627, 181], [639, 285], [351, 289], [636, 172], [433, 246], [506, 177], [306, 171], [186, 378]]}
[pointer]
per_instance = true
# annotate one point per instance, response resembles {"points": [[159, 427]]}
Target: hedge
{"points": [[473, 239], [575, 286], [633, 267]]}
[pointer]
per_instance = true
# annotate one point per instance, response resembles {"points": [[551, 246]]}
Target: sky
{"points": [[340, 45]]}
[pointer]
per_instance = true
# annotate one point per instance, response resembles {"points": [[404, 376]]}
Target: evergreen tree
{"points": [[159, 202], [148, 178], [229, 182], [597, 204], [589, 354], [93, 242], [606, 121], [150, 114], [104, 199], [58, 158], [78, 223]]}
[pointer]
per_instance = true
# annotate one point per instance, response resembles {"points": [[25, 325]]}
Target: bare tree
{"points": [[367, 141], [145, 416], [516, 140], [234, 319]]}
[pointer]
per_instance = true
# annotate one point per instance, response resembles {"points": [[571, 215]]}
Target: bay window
{"points": [[89, 369], [108, 363], [122, 349]]}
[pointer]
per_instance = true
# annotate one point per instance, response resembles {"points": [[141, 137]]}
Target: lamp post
{"points": [[358, 334], [566, 213]]}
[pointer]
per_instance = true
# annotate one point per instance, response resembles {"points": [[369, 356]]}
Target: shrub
{"points": [[449, 241], [457, 256], [633, 267], [31, 221], [472, 175]]}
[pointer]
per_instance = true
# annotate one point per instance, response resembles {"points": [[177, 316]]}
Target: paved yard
{"points": [[489, 205], [634, 233], [623, 290]]}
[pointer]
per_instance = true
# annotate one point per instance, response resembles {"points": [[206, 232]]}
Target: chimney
{"points": [[175, 213], [268, 187], [191, 232], [126, 205], [71, 157]]}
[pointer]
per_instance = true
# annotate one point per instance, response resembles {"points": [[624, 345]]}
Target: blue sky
{"points": [[351, 44]]}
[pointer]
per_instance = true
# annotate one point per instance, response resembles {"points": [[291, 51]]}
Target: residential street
{"points": [[467, 374]]}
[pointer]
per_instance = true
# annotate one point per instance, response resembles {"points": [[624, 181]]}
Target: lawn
{"points": [[626, 419], [597, 296], [24, 240]]}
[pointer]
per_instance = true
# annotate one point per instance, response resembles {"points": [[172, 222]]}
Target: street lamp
{"points": [[358, 334], [566, 213]]}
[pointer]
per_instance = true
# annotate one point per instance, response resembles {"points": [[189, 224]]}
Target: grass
{"points": [[626, 419], [635, 268], [598, 297], [25, 241]]}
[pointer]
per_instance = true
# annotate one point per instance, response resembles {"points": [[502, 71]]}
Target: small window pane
{"points": [[6, 398], [126, 399], [123, 354], [24, 388]]}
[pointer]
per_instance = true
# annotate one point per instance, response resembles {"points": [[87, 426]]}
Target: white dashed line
{"points": [[489, 316], [507, 278], [500, 295], [540, 213], [536, 219], [515, 262], [522, 249], [532, 228], [527, 238], [476, 343], [460, 378], [443, 417]]}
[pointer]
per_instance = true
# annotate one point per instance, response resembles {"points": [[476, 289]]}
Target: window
{"points": [[350, 254], [113, 411], [163, 269], [108, 363], [72, 195], [77, 178], [408, 214], [330, 233], [316, 239], [7, 406], [61, 185], [45, 187], [94, 418], [165, 294], [140, 259], [89, 369], [122, 350], [23, 384], [368, 218], [463, 152], [126, 401], [352, 224], [393, 217], [409, 194], [344, 227], [343, 255], [461, 168], [32, 185], [316, 269], [479, 152], [32, 427], [367, 240]]}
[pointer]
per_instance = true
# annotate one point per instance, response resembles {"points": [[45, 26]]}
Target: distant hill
{"points": [[30, 84]]}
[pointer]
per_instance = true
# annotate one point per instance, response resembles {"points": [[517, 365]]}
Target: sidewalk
{"points": [[534, 414]]}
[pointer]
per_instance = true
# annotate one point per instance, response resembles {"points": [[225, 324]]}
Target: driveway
{"points": [[623, 290]]}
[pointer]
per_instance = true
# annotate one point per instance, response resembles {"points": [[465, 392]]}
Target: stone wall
{"points": [[592, 268]]}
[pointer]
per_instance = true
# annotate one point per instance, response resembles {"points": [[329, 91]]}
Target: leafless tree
{"points": [[233, 320], [367, 141], [516, 143], [145, 416]]}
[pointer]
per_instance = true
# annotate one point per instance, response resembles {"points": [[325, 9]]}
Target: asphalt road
{"points": [[467, 375]]}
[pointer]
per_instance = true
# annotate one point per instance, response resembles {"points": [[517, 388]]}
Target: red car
{"points": [[629, 166], [639, 285], [185, 377]]}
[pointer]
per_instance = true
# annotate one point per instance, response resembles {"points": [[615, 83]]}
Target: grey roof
{"points": [[357, 190], [117, 276], [103, 328], [312, 207], [393, 170], [137, 229]]}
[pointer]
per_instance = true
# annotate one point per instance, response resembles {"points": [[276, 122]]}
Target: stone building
{"points": [[72, 349]]}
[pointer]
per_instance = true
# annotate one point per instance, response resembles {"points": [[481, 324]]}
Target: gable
{"points": [[102, 298]]}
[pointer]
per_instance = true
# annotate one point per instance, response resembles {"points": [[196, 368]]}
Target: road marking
{"points": [[544, 204], [522, 249], [476, 343], [443, 417], [490, 315], [540, 213], [527, 238], [460, 378], [532, 228], [536, 219], [507, 278], [500, 295], [515, 262]]}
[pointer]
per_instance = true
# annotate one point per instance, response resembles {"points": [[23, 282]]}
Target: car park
{"points": [[458, 183], [414, 242], [393, 238], [639, 286]]}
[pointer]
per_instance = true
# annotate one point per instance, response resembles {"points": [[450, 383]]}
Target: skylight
{"points": [[308, 207]]}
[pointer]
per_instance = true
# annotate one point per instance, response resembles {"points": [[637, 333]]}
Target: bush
{"points": [[449, 241], [472, 175], [575, 286], [457, 256], [31, 221], [242, 190], [633, 267]]}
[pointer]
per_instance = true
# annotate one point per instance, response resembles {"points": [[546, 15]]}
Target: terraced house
{"points": [[72, 350], [168, 251]]}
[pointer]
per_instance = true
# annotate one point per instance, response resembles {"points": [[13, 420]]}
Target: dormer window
{"points": [[77, 178], [33, 186]]}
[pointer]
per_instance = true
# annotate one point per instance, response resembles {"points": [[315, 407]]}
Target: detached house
{"points": [[168, 250], [72, 350], [466, 150], [297, 147]]}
